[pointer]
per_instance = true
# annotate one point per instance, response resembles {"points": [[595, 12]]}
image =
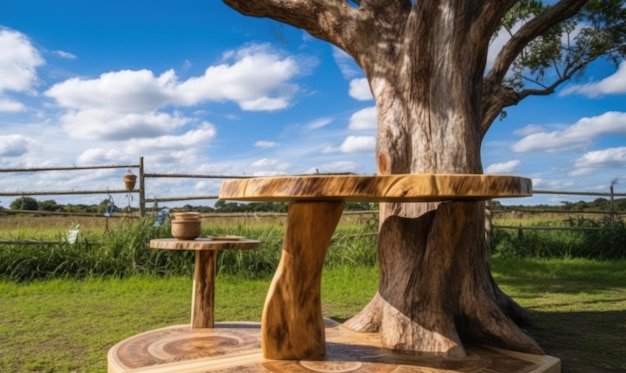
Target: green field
{"points": [[63, 306], [578, 308]]}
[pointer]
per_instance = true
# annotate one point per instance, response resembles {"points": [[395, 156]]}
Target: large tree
{"points": [[425, 62]]}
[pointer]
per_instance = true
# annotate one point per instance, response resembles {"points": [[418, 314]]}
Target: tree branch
{"points": [[356, 30], [501, 97], [495, 96], [489, 14], [330, 20], [563, 10]]}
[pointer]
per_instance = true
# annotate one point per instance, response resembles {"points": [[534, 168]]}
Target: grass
{"points": [[124, 251], [578, 307], [63, 306], [64, 325]]}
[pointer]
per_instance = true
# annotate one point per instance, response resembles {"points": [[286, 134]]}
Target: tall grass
{"points": [[120, 252], [124, 251], [605, 239]]}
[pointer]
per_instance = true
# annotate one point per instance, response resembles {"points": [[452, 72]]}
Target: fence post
{"points": [[142, 189], [612, 208]]}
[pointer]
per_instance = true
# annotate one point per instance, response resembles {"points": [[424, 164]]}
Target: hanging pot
{"points": [[129, 180]]}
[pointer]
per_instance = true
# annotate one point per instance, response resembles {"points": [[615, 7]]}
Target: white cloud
{"points": [[14, 145], [318, 123], [269, 167], [498, 42], [122, 104], [348, 67], [364, 119], [528, 130], [577, 136], [330, 149], [268, 173], [272, 164], [18, 62], [63, 54], [360, 89], [612, 157], [266, 144], [580, 172], [358, 144], [333, 167], [100, 156], [167, 149], [96, 124], [198, 136], [10, 106], [256, 78], [614, 84], [502, 168], [537, 181], [125, 91]]}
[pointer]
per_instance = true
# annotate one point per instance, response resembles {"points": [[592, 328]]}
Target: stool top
{"points": [[204, 244]]}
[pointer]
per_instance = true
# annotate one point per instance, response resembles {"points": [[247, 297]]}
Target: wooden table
{"points": [[292, 325], [203, 296]]}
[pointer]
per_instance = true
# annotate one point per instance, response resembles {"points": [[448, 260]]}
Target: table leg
{"points": [[203, 297], [292, 326]]}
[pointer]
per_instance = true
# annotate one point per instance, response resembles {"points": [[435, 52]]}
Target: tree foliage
{"points": [[49, 205], [25, 203], [564, 50]]}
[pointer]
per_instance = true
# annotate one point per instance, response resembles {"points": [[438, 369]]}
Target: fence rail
{"points": [[73, 168], [141, 190], [598, 194], [66, 192]]}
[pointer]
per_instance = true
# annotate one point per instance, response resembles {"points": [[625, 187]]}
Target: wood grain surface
{"points": [[234, 347], [292, 325], [204, 270], [380, 188], [203, 295], [203, 244]]}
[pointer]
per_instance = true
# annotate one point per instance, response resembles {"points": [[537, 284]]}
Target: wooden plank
{"points": [[381, 188], [203, 244], [73, 168], [65, 193]]}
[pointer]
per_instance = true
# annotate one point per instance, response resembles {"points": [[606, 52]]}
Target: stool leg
{"points": [[292, 326], [203, 297]]}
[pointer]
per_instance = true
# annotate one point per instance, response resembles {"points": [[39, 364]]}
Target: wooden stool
{"points": [[203, 296]]}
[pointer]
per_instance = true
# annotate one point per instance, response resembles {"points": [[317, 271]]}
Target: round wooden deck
{"points": [[236, 347]]}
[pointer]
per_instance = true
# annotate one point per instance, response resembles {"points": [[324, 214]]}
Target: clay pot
{"points": [[186, 225], [129, 180]]}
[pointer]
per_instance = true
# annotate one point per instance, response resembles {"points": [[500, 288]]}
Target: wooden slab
{"points": [[235, 347], [380, 188], [203, 244]]}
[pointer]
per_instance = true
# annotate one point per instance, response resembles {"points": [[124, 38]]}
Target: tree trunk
{"points": [[425, 62], [435, 290]]}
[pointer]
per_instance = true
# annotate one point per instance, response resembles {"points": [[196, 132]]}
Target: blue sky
{"points": [[195, 87]]}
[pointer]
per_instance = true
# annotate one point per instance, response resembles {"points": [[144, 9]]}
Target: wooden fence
{"points": [[141, 191]]}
